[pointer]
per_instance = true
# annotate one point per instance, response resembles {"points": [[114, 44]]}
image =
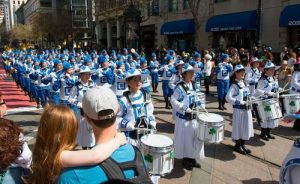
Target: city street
{"points": [[221, 164]]}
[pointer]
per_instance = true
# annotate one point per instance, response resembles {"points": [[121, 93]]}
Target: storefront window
{"points": [[173, 5]]}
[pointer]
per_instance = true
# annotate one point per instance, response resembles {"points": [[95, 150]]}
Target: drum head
{"points": [[290, 95], [210, 117], [157, 140]]}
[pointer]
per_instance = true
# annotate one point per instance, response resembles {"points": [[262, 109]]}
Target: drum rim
{"points": [[158, 149], [223, 120], [159, 135]]}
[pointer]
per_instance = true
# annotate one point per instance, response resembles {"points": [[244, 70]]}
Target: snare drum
{"points": [[158, 151], [269, 109], [291, 103], [211, 127], [202, 98]]}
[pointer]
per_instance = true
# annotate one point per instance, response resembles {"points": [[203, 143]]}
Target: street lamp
{"points": [[132, 20]]}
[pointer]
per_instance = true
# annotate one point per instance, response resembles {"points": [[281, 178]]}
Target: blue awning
{"points": [[233, 21], [178, 27], [290, 16]]}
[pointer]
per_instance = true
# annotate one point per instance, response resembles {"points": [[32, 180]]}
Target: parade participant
{"points": [[130, 63], [197, 76], [120, 85], [85, 135], [135, 107], [168, 71], [65, 83], [207, 71], [197, 59], [251, 79], [177, 76], [284, 76], [223, 69], [295, 82], [33, 75], [295, 88], [15, 155], [154, 66], [242, 125], [146, 82], [26, 71], [43, 84], [268, 88], [290, 169], [184, 101], [104, 75], [56, 155], [52, 77]]}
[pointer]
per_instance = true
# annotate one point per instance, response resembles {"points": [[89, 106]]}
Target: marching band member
{"points": [[207, 72], [176, 77], [267, 87], [242, 125], [65, 84], [290, 169], [223, 69], [295, 87], [104, 75], [154, 66], [85, 134], [120, 85], [135, 107], [146, 82], [168, 71], [43, 86], [251, 79], [184, 100]]}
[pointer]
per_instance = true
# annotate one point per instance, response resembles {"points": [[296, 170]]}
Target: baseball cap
{"points": [[98, 99]]}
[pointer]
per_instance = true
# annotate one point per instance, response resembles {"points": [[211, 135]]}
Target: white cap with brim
{"points": [[85, 69], [98, 99], [187, 67], [269, 64], [237, 68], [135, 72], [179, 62]]}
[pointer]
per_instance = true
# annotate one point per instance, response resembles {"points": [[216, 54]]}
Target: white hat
{"points": [[132, 72], [255, 59], [85, 69], [237, 68], [98, 99], [208, 56], [179, 62], [269, 64], [187, 67], [132, 50]]}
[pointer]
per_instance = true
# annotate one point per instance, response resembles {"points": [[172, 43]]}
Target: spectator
{"points": [[53, 148], [100, 111], [2, 107], [15, 156], [292, 59]]}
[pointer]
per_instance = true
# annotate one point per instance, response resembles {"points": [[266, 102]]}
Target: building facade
{"points": [[217, 23], [10, 8]]}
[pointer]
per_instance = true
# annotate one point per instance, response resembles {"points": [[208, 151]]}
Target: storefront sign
{"points": [[173, 33], [215, 29], [294, 23]]}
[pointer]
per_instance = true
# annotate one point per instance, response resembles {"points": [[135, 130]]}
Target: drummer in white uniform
{"points": [[267, 87], [184, 100], [251, 79], [85, 134], [295, 82], [136, 108], [242, 125]]}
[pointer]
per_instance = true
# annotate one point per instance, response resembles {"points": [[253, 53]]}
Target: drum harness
{"points": [[141, 125]]}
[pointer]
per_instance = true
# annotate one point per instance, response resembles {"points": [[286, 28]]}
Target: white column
{"points": [[118, 33], [108, 36], [99, 33]]}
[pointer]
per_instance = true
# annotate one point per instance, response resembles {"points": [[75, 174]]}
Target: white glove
{"points": [[188, 110], [79, 105], [272, 94], [130, 127], [68, 75], [243, 103], [153, 124], [280, 90]]}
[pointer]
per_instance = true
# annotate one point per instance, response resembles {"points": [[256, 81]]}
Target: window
{"points": [[221, 1], [173, 5], [185, 4]]}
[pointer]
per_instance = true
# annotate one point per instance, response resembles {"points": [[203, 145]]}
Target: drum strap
{"points": [[115, 170], [185, 87]]}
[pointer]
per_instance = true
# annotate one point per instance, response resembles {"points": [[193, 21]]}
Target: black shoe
{"points": [[221, 108], [195, 163], [246, 150], [269, 134], [186, 164], [224, 108], [264, 137], [240, 150]]}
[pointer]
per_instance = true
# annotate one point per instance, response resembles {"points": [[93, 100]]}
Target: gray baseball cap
{"points": [[98, 99]]}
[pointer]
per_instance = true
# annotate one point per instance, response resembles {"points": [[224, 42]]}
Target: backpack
{"points": [[114, 170]]}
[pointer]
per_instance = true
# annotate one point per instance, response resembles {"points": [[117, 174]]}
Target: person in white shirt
{"points": [[207, 71]]}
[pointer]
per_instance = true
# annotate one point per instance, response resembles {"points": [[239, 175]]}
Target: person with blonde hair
{"points": [[55, 142]]}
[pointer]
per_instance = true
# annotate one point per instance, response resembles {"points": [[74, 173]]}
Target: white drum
{"points": [[202, 98], [291, 103], [211, 127], [269, 109], [158, 151]]}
